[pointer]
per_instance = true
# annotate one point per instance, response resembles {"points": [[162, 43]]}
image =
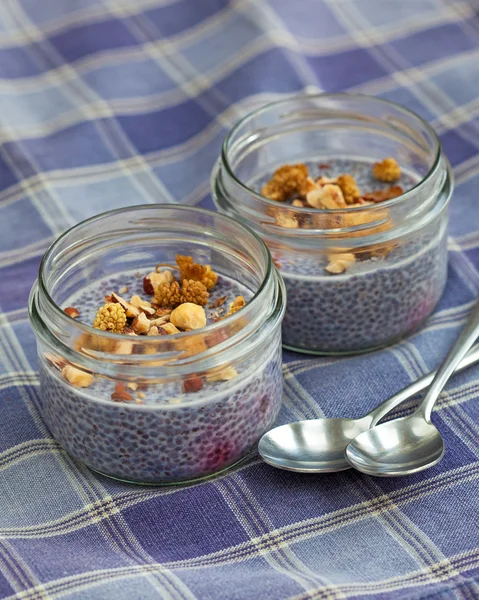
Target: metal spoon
{"points": [[411, 444], [318, 445]]}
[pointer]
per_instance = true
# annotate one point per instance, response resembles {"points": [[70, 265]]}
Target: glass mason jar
{"points": [[398, 246], [172, 431]]}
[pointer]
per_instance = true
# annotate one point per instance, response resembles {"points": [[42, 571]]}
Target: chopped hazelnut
{"points": [[323, 180], [298, 202], [193, 383], [188, 316], [286, 220], [387, 170], [143, 305], [174, 401], [54, 360], [160, 321], [307, 186], [141, 324], [170, 328], [130, 310], [221, 374], [236, 305], [153, 330], [154, 279], [72, 312], [329, 196], [393, 191], [132, 386], [218, 302], [124, 347], [77, 377], [123, 290], [338, 263], [121, 395]]}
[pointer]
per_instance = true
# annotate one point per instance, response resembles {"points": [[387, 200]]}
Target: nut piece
{"points": [[307, 186], [221, 374], [393, 191], [72, 312], [154, 279], [286, 181], [143, 305], [191, 270], [120, 394], [387, 170], [130, 310], [235, 306], [55, 361], [284, 219], [141, 324], [338, 263], [169, 328], [77, 377], [329, 196], [188, 316], [110, 317], [348, 186], [298, 202], [323, 180], [193, 383]]}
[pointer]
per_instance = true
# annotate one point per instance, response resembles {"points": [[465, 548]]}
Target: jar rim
{"points": [[63, 319], [436, 163]]}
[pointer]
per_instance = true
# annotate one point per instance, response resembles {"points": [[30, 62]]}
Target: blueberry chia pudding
{"points": [[352, 298], [163, 431]]}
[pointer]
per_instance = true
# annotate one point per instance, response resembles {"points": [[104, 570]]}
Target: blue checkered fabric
{"points": [[108, 103]]}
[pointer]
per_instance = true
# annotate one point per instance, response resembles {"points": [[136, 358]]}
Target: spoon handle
{"points": [[454, 357], [419, 385]]}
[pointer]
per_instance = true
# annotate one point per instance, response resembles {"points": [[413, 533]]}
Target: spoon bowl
{"points": [[412, 444], [311, 446], [400, 447], [319, 445]]}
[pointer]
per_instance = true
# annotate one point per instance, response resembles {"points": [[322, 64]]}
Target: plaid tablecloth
{"points": [[108, 103]]}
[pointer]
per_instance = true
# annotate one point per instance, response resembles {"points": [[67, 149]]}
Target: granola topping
{"points": [[178, 304], [294, 187], [387, 170]]}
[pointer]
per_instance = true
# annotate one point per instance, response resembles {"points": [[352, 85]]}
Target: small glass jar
{"points": [[198, 400], [398, 267]]}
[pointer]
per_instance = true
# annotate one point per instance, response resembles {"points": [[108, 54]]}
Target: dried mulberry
{"points": [[387, 170], [191, 270], [171, 295], [110, 317], [286, 181], [348, 186]]}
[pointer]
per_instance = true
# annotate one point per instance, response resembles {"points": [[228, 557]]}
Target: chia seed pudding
{"points": [[350, 194], [173, 422], [376, 300]]}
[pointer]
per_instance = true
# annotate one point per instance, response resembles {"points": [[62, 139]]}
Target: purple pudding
{"points": [[165, 432], [350, 299]]}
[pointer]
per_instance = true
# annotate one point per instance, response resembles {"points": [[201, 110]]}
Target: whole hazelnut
{"points": [[188, 316]]}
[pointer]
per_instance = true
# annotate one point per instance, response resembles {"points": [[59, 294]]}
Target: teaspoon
{"points": [[411, 444], [318, 445]]}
